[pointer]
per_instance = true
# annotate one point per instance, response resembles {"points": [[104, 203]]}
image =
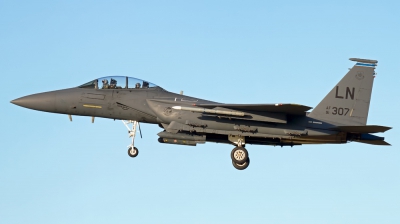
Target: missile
{"points": [[209, 111]]}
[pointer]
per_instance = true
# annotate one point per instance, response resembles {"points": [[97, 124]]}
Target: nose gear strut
{"points": [[132, 150]]}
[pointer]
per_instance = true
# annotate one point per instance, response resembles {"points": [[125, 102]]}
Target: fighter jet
{"points": [[341, 117]]}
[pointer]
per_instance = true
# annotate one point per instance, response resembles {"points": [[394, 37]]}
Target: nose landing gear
{"points": [[132, 150]]}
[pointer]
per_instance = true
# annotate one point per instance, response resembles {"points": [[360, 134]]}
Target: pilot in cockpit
{"points": [[105, 84], [137, 86], [113, 84]]}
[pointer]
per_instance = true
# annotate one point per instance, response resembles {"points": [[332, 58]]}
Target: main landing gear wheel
{"points": [[241, 166], [133, 152], [239, 155]]}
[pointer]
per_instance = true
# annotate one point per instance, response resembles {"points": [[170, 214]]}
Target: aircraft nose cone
{"points": [[40, 101]]}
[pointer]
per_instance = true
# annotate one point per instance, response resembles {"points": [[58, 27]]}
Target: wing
{"points": [[294, 109]]}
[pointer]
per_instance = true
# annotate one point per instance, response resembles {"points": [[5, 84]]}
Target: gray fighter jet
{"points": [[340, 117]]}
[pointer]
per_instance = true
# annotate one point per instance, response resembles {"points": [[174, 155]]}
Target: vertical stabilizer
{"points": [[348, 102]]}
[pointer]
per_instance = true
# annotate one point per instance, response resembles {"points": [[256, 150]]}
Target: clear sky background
{"points": [[56, 171]]}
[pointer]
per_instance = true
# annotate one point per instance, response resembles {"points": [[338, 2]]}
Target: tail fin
{"points": [[348, 102]]}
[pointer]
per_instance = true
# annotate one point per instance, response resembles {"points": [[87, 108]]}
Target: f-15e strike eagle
{"points": [[340, 117]]}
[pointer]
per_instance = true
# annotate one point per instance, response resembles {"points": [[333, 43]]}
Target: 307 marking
{"points": [[340, 111]]}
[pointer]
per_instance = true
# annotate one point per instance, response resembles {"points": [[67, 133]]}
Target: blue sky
{"points": [[56, 171]]}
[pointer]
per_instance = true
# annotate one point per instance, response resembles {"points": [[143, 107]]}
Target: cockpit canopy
{"points": [[118, 82]]}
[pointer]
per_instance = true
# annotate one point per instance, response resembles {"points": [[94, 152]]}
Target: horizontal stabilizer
{"points": [[362, 129], [294, 109], [372, 142]]}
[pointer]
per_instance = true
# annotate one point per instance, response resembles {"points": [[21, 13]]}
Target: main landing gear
{"points": [[240, 156], [132, 150]]}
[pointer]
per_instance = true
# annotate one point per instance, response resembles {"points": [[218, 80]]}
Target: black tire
{"points": [[239, 155], [133, 153], [241, 166]]}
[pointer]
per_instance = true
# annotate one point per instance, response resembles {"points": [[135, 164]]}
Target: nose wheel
{"points": [[132, 150]]}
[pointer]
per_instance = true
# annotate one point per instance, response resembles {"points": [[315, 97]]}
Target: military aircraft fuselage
{"points": [[340, 117], [155, 106]]}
